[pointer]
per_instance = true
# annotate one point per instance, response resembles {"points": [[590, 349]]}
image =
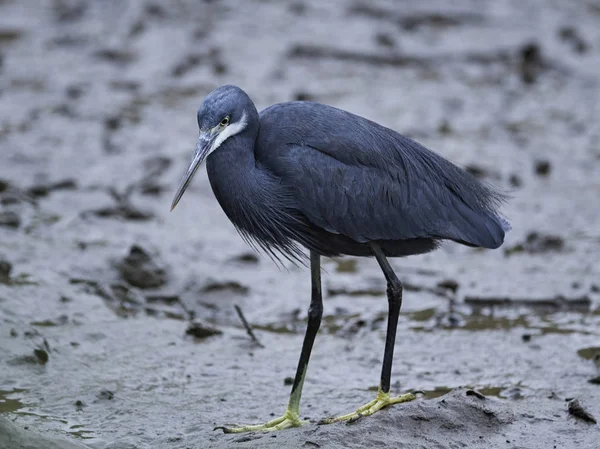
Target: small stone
{"points": [[41, 355], [542, 168], [288, 381]]}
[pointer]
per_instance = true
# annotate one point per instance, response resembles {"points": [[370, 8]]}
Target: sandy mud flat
{"points": [[117, 320]]}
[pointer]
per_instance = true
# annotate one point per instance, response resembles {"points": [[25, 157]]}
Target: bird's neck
{"points": [[234, 176], [235, 156], [251, 196]]}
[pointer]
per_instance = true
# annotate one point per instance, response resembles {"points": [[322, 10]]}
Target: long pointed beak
{"points": [[202, 149]]}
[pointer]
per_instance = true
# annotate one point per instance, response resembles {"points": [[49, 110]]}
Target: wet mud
{"points": [[125, 326]]}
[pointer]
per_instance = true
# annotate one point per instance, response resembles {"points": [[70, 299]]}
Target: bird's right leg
{"points": [[291, 417], [383, 398]]}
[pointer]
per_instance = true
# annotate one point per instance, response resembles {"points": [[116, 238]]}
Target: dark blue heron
{"points": [[303, 174]]}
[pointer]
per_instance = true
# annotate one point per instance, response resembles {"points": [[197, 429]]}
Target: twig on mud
{"points": [[247, 326]]}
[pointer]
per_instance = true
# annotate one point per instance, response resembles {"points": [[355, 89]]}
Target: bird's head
{"points": [[223, 114]]}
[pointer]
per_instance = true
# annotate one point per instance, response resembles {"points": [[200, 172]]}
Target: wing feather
{"points": [[368, 182]]}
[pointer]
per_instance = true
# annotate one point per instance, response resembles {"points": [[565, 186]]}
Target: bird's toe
{"points": [[381, 401]]}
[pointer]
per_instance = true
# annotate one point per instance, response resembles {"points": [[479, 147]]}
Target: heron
{"points": [[303, 180]]}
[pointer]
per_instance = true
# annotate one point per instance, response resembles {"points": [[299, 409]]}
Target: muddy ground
{"points": [[99, 283]]}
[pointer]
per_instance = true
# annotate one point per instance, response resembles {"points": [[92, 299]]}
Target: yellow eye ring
{"points": [[225, 121]]}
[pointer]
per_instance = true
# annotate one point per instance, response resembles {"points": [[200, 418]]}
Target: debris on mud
{"points": [[571, 36], [123, 208], [106, 395], [10, 219], [69, 10], [475, 393], [336, 291], [537, 243], [141, 270], [42, 190], [577, 410], [229, 286], [375, 287], [246, 258], [302, 51], [515, 180], [542, 168], [559, 302], [448, 284], [13, 195], [594, 380], [247, 326], [526, 60], [210, 58], [200, 330], [481, 172], [416, 21], [5, 270], [532, 62], [154, 168], [41, 355], [118, 56]]}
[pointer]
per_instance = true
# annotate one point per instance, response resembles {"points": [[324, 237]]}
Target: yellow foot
{"points": [[289, 419], [382, 400]]}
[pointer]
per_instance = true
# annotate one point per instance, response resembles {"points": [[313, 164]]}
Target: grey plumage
{"points": [[311, 175], [304, 174]]}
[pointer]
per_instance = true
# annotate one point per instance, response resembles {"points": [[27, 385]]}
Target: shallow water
{"points": [[97, 122]]}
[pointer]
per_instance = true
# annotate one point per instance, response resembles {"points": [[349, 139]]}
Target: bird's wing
{"points": [[385, 186]]}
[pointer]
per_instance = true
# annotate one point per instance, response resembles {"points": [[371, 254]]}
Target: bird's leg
{"points": [[291, 417], [383, 398]]}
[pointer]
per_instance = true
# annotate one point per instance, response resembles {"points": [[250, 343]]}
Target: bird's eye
{"points": [[225, 121]]}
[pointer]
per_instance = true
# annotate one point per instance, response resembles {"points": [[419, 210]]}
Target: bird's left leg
{"points": [[291, 417], [383, 398]]}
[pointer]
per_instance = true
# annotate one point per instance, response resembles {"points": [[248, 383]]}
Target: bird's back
{"points": [[355, 178]]}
